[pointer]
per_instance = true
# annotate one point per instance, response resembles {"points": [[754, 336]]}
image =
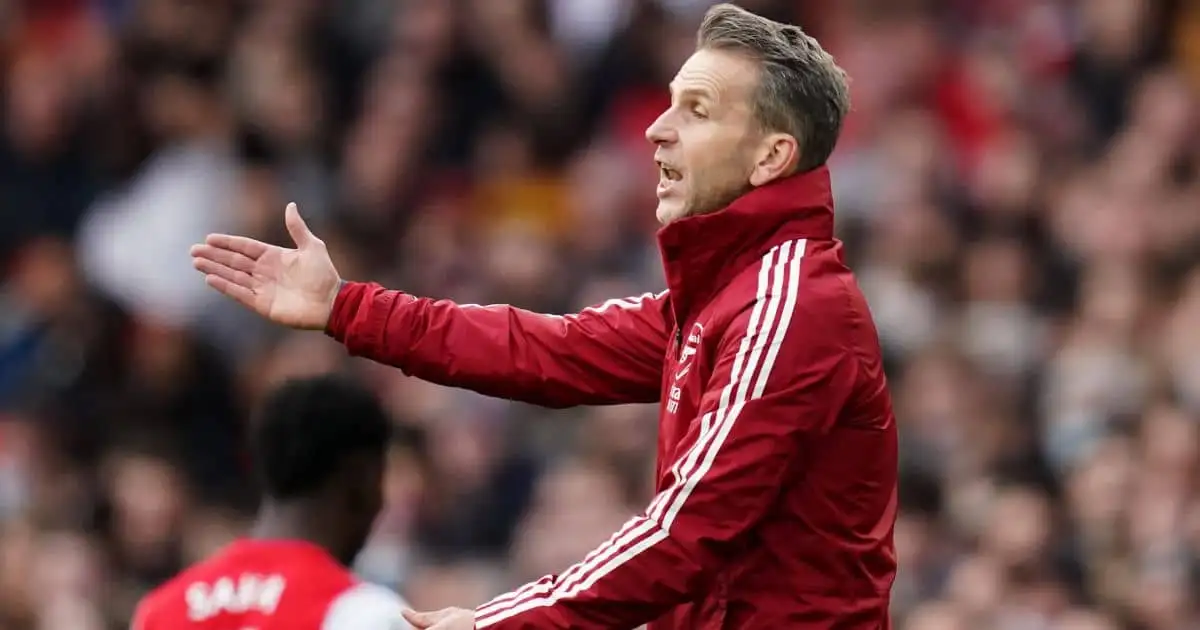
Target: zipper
{"points": [[678, 343]]}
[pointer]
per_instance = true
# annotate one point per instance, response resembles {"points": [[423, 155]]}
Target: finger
{"points": [[415, 619], [226, 257], [246, 246], [239, 293], [425, 619], [297, 228], [212, 268]]}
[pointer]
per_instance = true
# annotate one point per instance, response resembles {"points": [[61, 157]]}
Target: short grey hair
{"points": [[801, 90]]}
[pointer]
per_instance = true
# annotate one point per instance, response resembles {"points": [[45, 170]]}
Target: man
{"points": [[320, 446], [777, 445]]}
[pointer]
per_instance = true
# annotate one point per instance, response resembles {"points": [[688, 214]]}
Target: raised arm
{"points": [[606, 354]]}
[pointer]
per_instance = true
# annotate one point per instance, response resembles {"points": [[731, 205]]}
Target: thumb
{"points": [[297, 228], [425, 619]]}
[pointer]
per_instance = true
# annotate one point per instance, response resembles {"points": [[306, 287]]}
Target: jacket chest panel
{"points": [[687, 368], [686, 361]]}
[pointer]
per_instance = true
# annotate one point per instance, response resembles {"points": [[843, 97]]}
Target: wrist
{"points": [[331, 303]]}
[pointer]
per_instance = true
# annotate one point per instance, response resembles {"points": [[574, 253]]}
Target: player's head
{"points": [[321, 443], [757, 101]]}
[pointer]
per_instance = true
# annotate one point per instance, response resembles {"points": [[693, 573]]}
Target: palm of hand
{"points": [[293, 287]]}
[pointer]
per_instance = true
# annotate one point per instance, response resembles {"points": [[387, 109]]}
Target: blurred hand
{"points": [[293, 287], [444, 619]]}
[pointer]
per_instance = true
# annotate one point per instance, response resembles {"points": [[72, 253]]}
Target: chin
{"points": [[670, 210]]}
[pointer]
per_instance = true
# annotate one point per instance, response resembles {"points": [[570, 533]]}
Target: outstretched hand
{"points": [[444, 619], [293, 287]]}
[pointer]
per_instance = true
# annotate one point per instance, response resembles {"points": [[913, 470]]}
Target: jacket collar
{"points": [[702, 253]]}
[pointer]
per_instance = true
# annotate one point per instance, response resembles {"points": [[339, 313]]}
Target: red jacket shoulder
{"points": [[823, 287], [830, 327]]}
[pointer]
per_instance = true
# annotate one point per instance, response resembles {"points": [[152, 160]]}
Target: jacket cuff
{"points": [[345, 305]]}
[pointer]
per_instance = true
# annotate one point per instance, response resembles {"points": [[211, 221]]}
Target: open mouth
{"points": [[669, 174]]}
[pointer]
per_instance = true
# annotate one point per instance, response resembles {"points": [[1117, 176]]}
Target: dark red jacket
{"points": [[777, 445]]}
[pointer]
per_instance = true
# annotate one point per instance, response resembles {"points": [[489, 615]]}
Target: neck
{"points": [[296, 520]]}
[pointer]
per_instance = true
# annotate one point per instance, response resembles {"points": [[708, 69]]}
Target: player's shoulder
{"points": [[366, 606]]}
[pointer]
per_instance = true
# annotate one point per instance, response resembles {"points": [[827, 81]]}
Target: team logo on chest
{"points": [[687, 354]]}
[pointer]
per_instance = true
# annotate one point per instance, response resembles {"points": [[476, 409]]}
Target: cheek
{"points": [[713, 160], [715, 168], [704, 164]]}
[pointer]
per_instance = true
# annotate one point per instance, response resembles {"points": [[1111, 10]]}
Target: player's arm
{"points": [[366, 607], [778, 377], [608, 354]]}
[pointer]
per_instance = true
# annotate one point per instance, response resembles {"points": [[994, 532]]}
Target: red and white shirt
{"points": [[270, 585]]}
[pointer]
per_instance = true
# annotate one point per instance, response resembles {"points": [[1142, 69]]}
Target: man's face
{"points": [[707, 138]]}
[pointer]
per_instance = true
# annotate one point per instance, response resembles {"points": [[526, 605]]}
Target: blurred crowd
{"points": [[1018, 187]]}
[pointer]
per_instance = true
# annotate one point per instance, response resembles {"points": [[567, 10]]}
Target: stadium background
{"points": [[1017, 186]]}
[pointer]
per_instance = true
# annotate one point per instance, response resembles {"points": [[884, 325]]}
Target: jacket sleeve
{"points": [[608, 354], [777, 377]]}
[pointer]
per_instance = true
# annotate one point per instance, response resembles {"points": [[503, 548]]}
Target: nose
{"points": [[661, 131]]}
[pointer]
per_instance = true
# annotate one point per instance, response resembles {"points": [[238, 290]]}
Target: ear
{"points": [[778, 155]]}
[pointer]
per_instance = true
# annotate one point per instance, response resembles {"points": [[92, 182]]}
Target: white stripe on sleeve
{"points": [[627, 303]]}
